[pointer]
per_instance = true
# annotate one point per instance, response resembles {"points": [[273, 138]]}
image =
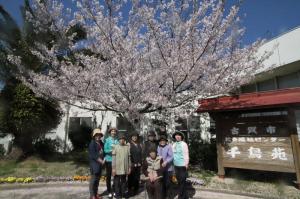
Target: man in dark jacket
{"points": [[149, 144], [96, 159], [136, 163]]}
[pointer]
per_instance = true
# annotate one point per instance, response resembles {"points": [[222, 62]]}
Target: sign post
{"points": [[257, 141]]}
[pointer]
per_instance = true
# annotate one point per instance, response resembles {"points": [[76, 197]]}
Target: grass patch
{"points": [[34, 167], [280, 188], [205, 175], [7, 167], [267, 184]]}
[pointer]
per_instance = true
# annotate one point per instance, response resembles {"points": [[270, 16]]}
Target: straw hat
{"points": [[97, 131]]}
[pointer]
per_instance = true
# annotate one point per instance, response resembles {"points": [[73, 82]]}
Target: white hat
{"points": [[97, 131]]}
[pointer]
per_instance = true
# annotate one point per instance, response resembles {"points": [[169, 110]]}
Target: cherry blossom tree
{"points": [[139, 56]]}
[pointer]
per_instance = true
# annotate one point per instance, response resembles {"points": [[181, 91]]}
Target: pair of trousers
{"points": [[166, 182], [120, 185], [134, 179], [154, 189], [108, 169], [181, 175], [94, 184]]}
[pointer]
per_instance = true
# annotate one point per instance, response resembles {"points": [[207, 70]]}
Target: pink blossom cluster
{"points": [[145, 56]]}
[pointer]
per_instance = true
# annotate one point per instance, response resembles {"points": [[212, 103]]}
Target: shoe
{"points": [[114, 194], [110, 195]]}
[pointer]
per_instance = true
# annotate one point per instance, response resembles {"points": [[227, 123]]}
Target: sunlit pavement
{"points": [[67, 191]]}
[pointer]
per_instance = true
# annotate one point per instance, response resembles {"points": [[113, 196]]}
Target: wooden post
{"points": [[219, 137], [296, 154], [295, 143], [221, 169]]}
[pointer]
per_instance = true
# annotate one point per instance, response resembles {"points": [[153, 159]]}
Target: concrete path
{"points": [[81, 192]]}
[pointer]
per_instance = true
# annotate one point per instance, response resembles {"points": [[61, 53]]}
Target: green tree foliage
{"points": [[26, 116], [23, 114], [202, 153], [47, 147]]}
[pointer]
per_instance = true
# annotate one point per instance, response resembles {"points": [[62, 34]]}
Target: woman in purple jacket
{"points": [[165, 151]]}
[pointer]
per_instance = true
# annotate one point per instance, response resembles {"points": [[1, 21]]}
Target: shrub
{"points": [[80, 137], [46, 147], [203, 153], [80, 157], [2, 150]]}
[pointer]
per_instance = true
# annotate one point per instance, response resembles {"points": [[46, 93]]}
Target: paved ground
{"points": [[81, 192]]}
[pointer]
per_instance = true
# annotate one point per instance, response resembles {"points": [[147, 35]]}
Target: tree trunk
{"points": [[25, 144]]}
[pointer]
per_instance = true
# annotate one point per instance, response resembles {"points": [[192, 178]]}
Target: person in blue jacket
{"points": [[96, 159], [109, 143]]}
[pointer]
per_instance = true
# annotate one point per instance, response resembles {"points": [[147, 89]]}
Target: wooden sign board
{"points": [[258, 140], [260, 143], [256, 127], [259, 153]]}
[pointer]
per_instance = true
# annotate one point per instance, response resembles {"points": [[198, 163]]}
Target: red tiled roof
{"points": [[276, 98]]}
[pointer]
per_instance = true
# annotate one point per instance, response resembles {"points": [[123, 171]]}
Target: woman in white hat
{"points": [[96, 159]]}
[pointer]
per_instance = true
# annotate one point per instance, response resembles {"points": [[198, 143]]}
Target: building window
{"points": [[181, 124], [159, 126], [248, 88], [188, 125], [123, 125], [288, 81], [80, 132], [78, 122], [267, 85], [194, 124]]}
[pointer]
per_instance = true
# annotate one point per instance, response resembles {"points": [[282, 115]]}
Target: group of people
{"points": [[157, 160]]}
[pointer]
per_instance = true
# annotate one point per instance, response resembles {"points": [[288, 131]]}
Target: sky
{"points": [[261, 18]]}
